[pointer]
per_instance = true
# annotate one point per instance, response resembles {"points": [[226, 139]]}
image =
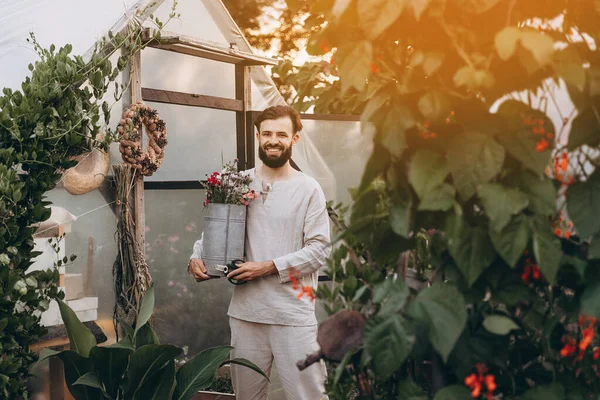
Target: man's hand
{"points": [[197, 269], [253, 270]]}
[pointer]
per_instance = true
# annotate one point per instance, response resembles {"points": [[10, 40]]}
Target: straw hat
{"points": [[89, 174]]}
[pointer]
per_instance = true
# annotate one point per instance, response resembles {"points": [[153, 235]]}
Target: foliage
{"points": [[466, 152], [137, 366], [54, 117]]}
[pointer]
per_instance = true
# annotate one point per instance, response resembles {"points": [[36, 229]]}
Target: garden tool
{"points": [[339, 334]]}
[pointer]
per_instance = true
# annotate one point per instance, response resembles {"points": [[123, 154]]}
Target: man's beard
{"points": [[275, 162]]}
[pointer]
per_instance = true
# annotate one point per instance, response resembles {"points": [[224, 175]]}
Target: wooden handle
{"points": [[310, 360]]}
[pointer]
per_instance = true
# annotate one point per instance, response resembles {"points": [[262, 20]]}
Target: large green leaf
{"points": [[540, 190], [594, 250], [248, 364], [80, 337], [146, 309], [474, 159], [442, 308], [145, 335], [555, 391], [470, 247], [569, 66], [391, 294], [199, 372], [160, 385], [547, 249], [454, 392], [401, 214], [387, 343], [144, 362], [441, 198], [499, 324], [519, 139], [77, 366], [377, 15], [513, 239], [376, 165], [110, 364], [500, 203], [91, 379], [409, 390], [586, 127], [434, 106], [590, 300], [427, 171], [392, 125], [355, 68], [583, 205], [506, 42]]}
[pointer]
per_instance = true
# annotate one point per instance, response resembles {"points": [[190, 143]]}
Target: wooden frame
{"points": [[198, 48], [193, 100]]}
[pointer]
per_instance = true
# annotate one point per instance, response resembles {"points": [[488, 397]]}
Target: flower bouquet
{"points": [[227, 194]]}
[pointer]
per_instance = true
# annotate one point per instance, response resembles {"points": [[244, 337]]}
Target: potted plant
{"points": [[137, 366], [227, 194]]}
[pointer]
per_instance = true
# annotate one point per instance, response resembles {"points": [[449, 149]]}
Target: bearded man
{"points": [[287, 239]]}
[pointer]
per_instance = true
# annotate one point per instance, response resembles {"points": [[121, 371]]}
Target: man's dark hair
{"points": [[277, 112]]}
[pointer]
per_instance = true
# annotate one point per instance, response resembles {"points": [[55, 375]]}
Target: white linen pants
{"points": [[263, 343]]}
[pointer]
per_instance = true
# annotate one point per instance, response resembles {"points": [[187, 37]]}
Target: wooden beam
{"points": [[138, 189], [190, 99], [200, 48], [173, 185], [242, 78]]}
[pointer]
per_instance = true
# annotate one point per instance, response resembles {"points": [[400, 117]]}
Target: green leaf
{"points": [[541, 192], [470, 247], [519, 139], [387, 343], [110, 364], [391, 294], [569, 66], [199, 372], [506, 42], [555, 391], [434, 106], [339, 370], [356, 66], [547, 249], [144, 362], [427, 171], [77, 366], [418, 7], [248, 364], [590, 300], [126, 327], [586, 127], [442, 308], [4, 260], [441, 198], [160, 385], [146, 309], [409, 390], [512, 240], [91, 379], [80, 337], [540, 45], [499, 324], [400, 215], [433, 60], [500, 203], [377, 15], [474, 159], [583, 205], [145, 335], [454, 392], [391, 129], [376, 165]]}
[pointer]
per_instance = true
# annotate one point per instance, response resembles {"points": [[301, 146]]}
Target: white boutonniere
{"points": [[266, 188]]}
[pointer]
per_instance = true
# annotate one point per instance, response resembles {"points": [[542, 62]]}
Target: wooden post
{"points": [[242, 82], [138, 189], [89, 278]]}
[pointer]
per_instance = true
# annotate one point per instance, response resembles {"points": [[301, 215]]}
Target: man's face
{"points": [[275, 141]]}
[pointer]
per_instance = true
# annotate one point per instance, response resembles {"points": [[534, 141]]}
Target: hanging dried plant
{"points": [[130, 270]]}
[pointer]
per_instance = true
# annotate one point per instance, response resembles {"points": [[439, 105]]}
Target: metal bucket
{"points": [[224, 235]]}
